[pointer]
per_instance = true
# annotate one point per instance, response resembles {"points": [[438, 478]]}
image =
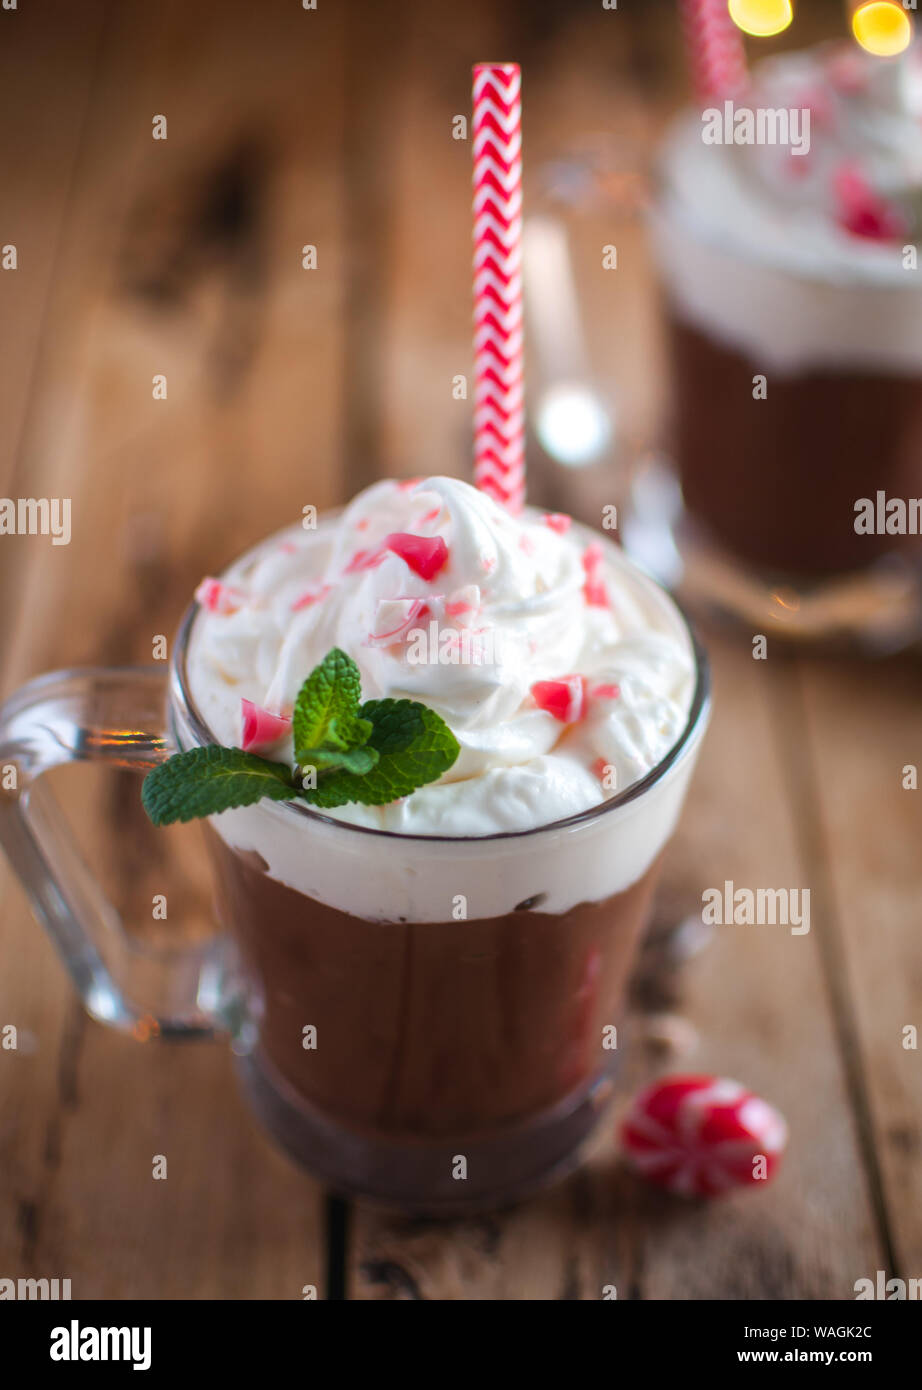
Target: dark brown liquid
{"points": [[430, 1030], [775, 481]]}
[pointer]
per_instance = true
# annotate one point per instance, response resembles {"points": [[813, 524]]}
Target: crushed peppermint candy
{"points": [[261, 728], [565, 699], [425, 555], [364, 560], [310, 597], [394, 618], [218, 597], [862, 211], [464, 604], [594, 589]]}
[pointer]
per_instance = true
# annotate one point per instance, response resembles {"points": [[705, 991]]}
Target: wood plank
{"points": [[864, 725], [182, 257], [43, 49]]}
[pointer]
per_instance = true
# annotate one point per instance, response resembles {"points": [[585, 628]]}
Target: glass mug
{"points": [[436, 1066], [753, 516]]}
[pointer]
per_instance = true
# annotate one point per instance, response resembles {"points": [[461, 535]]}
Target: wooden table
{"points": [[286, 386]]}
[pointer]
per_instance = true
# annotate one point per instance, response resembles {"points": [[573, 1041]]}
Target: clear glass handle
{"points": [[116, 717]]}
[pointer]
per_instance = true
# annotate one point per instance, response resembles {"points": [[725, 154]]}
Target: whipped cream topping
{"points": [[795, 209], [736, 223], [564, 673]]}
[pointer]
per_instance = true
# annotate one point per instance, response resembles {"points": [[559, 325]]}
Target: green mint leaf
{"points": [[347, 731], [326, 712], [357, 760], [360, 760], [414, 746], [204, 781]]}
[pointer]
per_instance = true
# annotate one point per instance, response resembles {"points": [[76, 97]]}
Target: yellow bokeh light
{"points": [[761, 18], [882, 27]]}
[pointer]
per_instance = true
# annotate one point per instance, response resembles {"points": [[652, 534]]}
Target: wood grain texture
{"points": [[758, 1002], [180, 257], [866, 736]]}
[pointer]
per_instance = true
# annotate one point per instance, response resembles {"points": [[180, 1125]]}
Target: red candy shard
{"points": [[218, 597], [593, 557], [565, 699], [605, 692], [862, 211], [425, 555], [557, 521], [594, 590], [395, 617], [699, 1136], [261, 729], [364, 560], [464, 604], [310, 597]]}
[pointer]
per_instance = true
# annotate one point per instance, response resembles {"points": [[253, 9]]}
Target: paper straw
{"points": [[714, 45], [499, 416]]}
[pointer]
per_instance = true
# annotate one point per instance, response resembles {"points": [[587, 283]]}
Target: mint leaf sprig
{"points": [[345, 751]]}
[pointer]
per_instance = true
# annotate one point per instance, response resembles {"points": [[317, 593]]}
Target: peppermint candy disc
{"points": [[699, 1136]]}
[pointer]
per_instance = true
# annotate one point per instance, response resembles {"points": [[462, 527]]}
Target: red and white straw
{"points": [[716, 53], [499, 414]]}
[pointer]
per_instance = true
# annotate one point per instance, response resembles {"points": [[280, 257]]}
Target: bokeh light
{"points": [[882, 27], [761, 18], [572, 425]]}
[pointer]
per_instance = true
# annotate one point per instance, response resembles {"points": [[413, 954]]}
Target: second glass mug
{"points": [[438, 1063]]}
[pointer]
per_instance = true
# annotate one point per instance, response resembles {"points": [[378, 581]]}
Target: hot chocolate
{"points": [[435, 983], [795, 307]]}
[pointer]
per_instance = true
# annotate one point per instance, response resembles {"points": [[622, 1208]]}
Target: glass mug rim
{"points": [[694, 724]]}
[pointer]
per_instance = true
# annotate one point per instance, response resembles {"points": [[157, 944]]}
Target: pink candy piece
{"points": [[594, 590], [526, 544], [605, 692], [394, 619], [847, 72], [557, 521], [260, 728], [364, 560], [308, 599], [463, 604], [601, 768], [565, 699], [700, 1136], [433, 515], [425, 555], [863, 212], [218, 597]]}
